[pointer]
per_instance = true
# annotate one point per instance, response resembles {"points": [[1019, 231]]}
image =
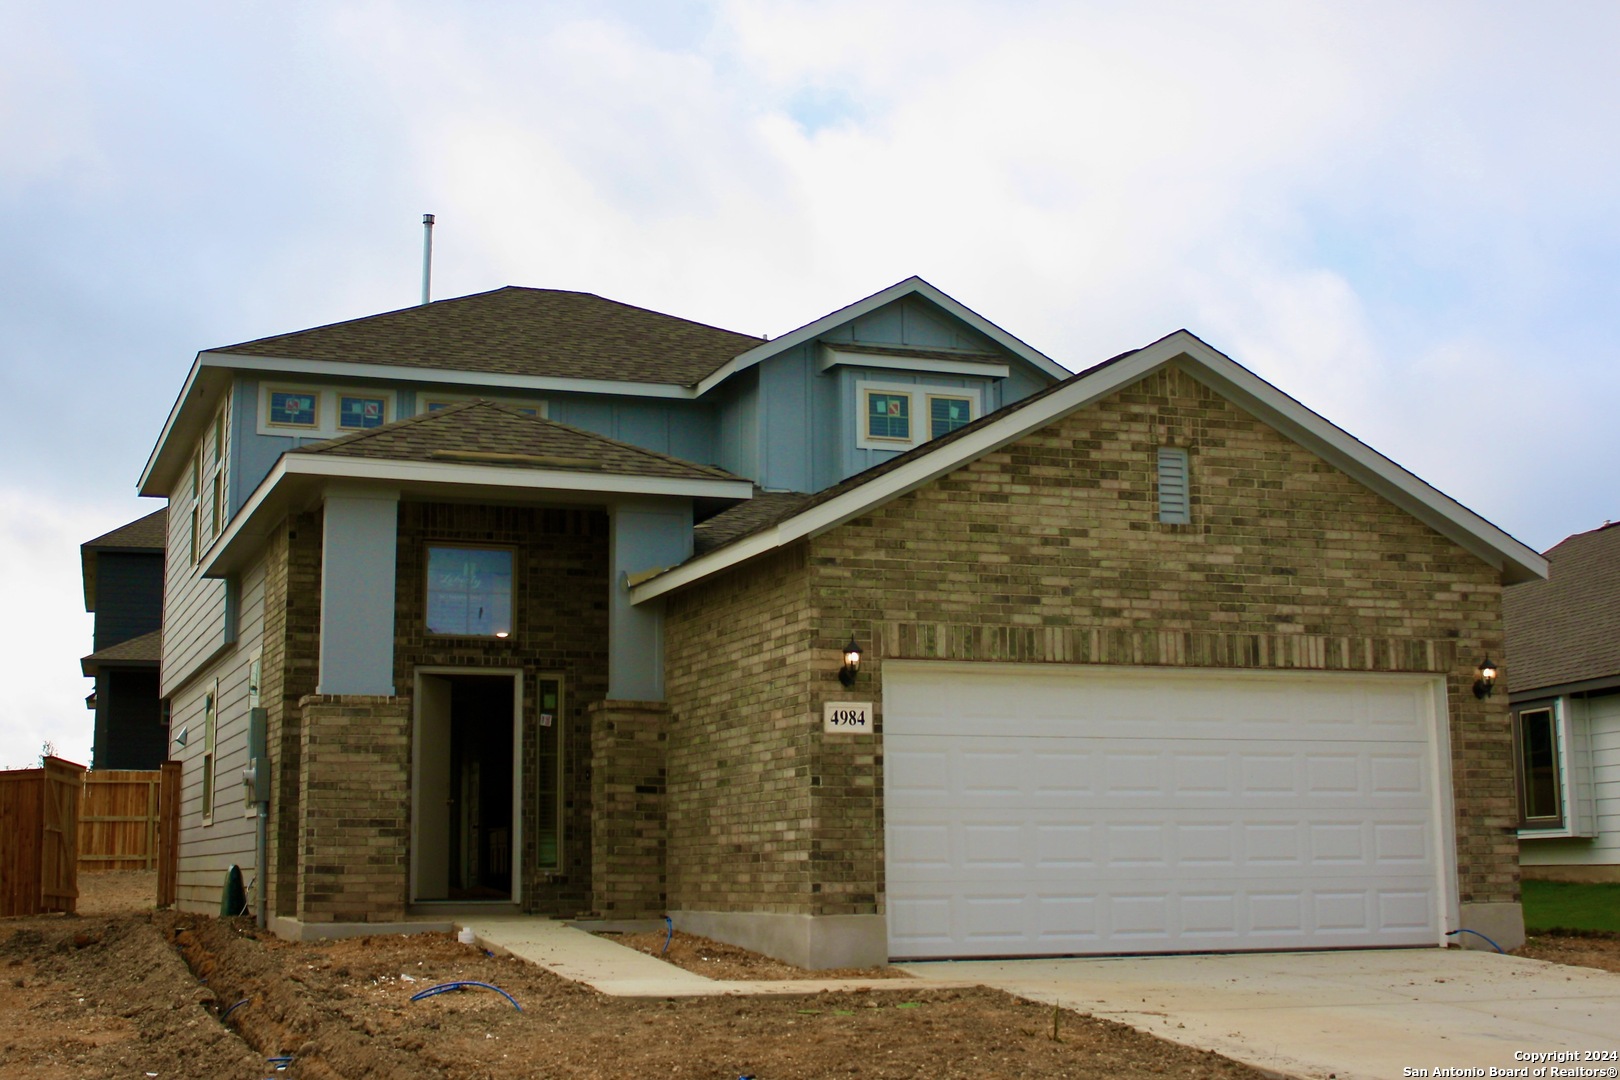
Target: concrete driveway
{"points": [[1368, 1014]]}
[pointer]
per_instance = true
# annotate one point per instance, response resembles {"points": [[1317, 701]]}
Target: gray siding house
{"points": [[1563, 639], [889, 637], [123, 588]]}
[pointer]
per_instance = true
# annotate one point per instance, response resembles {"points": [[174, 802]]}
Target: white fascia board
{"points": [[832, 357], [1516, 561], [909, 287], [265, 505], [343, 369], [168, 429]]}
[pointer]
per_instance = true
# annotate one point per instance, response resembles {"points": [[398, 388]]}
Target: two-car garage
{"points": [[1058, 810]]}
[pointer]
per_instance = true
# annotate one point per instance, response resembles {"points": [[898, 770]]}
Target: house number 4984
{"points": [[847, 717]]}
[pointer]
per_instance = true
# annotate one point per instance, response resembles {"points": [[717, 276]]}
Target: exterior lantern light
{"points": [[1486, 683], [852, 662]]}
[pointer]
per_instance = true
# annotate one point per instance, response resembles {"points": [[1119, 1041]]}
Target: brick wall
{"points": [[560, 628], [628, 778], [354, 816], [288, 664], [1050, 551], [737, 679]]}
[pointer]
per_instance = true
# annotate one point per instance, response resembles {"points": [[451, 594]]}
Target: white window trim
{"points": [[327, 399], [210, 755], [1574, 793], [426, 397], [920, 395]]}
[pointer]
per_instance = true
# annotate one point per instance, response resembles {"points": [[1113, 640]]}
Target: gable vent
{"points": [[1175, 502]]}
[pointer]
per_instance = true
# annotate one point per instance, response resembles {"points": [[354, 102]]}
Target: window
{"points": [[356, 413], [1175, 500], [295, 408], [196, 506], [1540, 779], [897, 416], [548, 783], [317, 412], [947, 412], [210, 731], [888, 416], [426, 403], [469, 591]]}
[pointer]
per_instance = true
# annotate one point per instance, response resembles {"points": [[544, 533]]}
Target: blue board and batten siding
{"points": [[129, 595]]}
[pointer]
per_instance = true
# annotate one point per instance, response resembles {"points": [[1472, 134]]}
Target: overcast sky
{"points": [[1402, 214]]}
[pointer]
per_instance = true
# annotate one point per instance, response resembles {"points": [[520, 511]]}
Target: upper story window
{"points": [[209, 510], [469, 591], [321, 412], [426, 403], [896, 416]]}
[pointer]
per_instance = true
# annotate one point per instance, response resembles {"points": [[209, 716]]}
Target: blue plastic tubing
{"points": [[1482, 937], [670, 923], [447, 987]]}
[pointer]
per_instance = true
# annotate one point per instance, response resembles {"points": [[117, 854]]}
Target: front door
{"points": [[465, 775]]}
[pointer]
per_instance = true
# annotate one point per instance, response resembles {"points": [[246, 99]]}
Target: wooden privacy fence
{"points": [[119, 819], [39, 825]]}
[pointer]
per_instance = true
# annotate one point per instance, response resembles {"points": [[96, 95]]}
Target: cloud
{"points": [[40, 644]]}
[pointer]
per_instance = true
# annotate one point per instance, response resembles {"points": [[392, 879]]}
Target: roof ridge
{"points": [[351, 437]]}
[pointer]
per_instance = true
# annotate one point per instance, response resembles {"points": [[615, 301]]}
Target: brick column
{"points": [[354, 817], [628, 742]]}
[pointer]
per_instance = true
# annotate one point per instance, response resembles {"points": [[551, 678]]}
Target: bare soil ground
{"points": [[122, 991], [717, 960], [1594, 948]]}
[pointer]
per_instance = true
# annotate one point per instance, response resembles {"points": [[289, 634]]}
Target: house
{"points": [[888, 637], [123, 588], [1563, 642]]}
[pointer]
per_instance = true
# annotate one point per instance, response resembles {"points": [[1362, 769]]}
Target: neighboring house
{"points": [[545, 600], [123, 587], [1563, 652]]}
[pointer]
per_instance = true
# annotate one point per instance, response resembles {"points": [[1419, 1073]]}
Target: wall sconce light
{"points": [[180, 737], [852, 662], [1486, 683]]}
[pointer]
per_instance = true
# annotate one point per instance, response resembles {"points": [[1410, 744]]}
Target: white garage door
{"points": [[1041, 810]]}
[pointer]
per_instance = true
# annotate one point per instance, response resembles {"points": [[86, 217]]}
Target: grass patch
{"points": [[1563, 905]]}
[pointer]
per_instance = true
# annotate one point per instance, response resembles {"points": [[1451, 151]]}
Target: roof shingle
{"points": [[518, 331], [1567, 629], [149, 532], [486, 433]]}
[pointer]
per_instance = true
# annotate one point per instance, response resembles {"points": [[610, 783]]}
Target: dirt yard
{"points": [[122, 991]]}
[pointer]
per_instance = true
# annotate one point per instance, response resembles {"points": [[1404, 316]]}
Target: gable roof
{"points": [[911, 286], [147, 534], [474, 449], [909, 471], [1566, 629], [518, 331]]}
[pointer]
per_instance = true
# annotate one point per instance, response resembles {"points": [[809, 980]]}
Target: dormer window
{"points": [[898, 416]]}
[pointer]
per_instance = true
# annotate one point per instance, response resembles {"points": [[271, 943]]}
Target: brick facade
{"points": [[1050, 551], [354, 815], [560, 628], [289, 663], [628, 833]]}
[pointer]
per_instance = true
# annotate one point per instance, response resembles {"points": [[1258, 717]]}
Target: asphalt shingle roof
{"points": [[146, 649], [1567, 629], [148, 532], [518, 331], [488, 434]]}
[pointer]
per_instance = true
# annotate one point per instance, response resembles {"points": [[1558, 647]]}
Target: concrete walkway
{"points": [[1351, 1014], [619, 971]]}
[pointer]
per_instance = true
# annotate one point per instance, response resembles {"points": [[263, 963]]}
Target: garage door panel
{"points": [[1188, 918], [1144, 813], [1085, 773]]}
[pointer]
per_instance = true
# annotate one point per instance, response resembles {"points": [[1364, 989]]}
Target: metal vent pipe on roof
{"points": [[427, 257]]}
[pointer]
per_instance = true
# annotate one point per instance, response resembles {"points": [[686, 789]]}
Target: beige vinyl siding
{"points": [[1603, 728], [193, 607], [208, 850]]}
